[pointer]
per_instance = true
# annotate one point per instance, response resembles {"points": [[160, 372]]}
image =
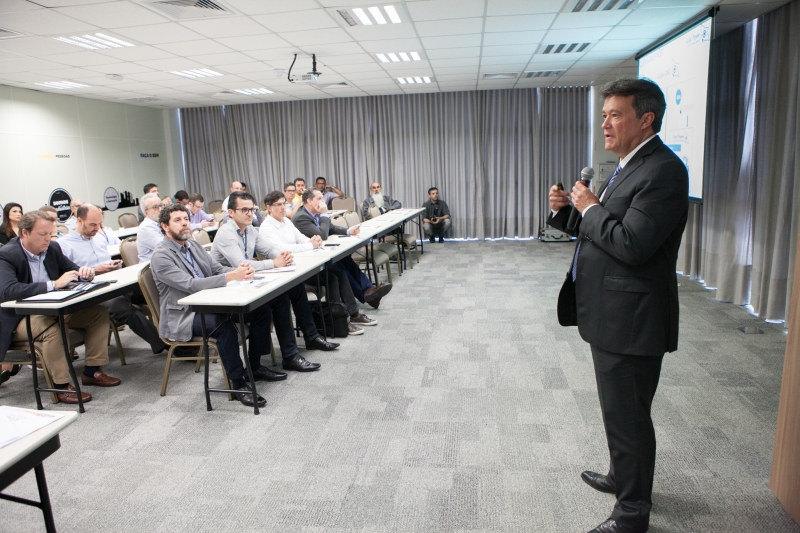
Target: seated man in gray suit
{"points": [[181, 267], [383, 202]]}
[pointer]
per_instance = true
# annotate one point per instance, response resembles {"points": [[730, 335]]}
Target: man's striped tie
{"points": [[578, 248]]}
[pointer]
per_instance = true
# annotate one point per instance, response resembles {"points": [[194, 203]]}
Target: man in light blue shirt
{"points": [[82, 247], [149, 236], [198, 219]]}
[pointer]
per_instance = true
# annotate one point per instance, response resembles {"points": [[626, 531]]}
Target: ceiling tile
{"points": [[29, 64], [381, 32], [149, 76], [273, 55], [176, 63], [510, 50], [82, 59], [497, 60], [138, 53], [159, 33], [443, 53], [226, 27], [227, 59], [394, 45], [453, 41], [350, 59], [519, 23], [36, 46], [589, 20], [456, 62], [513, 37], [123, 68], [72, 73], [113, 14], [521, 7], [677, 15], [44, 22], [334, 49], [611, 45], [315, 37], [678, 3], [449, 27], [246, 69], [445, 9], [550, 65], [580, 35], [194, 48], [653, 32], [9, 6], [606, 56], [254, 42], [310, 19]]}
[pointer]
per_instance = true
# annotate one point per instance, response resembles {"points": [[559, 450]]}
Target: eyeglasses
{"points": [[246, 210], [279, 204]]}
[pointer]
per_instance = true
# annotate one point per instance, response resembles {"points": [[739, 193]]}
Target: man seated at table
{"points": [[436, 218], [182, 197], [181, 267], [150, 188], [237, 241], [149, 235], [329, 192], [72, 221], [84, 246], [33, 264], [311, 220], [288, 194], [50, 210], [383, 202], [236, 186], [299, 189], [198, 219]]}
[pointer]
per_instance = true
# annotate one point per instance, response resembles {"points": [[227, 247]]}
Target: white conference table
{"points": [[123, 281], [124, 233], [28, 453]]}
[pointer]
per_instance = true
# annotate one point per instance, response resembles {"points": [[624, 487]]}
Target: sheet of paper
{"points": [[52, 295], [290, 268], [16, 423], [251, 284]]}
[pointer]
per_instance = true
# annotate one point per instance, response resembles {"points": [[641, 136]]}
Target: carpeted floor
{"points": [[466, 409]]}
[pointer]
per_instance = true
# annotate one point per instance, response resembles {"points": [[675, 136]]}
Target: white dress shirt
{"points": [[284, 236], [148, 238], [83, 251]]}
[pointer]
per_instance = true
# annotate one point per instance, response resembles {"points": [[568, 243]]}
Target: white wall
{"points": [[104, 142]]}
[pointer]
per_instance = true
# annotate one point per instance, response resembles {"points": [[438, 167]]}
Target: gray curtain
{"points": [[492, 154], [742, 240]]}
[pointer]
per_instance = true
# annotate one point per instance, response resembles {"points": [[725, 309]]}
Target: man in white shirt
{"points": [[150, 188], [72, 221], [288, 192], [149, 235], [86, 248], [236, 186]]}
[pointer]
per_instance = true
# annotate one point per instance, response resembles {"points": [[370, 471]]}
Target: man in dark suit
{"points": [[622, 291], [31, 264]]}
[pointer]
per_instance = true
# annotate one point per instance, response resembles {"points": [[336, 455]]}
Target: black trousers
{"points": [[302, 312], [626, 385]]}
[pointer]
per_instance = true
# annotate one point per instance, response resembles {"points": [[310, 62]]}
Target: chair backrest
{"points": [[128, 220], [213, 206], [345, 202], [219, 215], [352, 219], [148, 286], [374, 212], [339, 220], [201, 236], [129, 252], [62, 229]]}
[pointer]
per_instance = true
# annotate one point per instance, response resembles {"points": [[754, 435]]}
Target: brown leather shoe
{"points": [[73, 398], [100, 379]]}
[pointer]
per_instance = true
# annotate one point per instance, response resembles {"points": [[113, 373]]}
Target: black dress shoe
{"points": [[318, 343], [611, 526], [15, 370], [5, 375], [598, 482], [246, 396], [299, 364], [263, 373]]}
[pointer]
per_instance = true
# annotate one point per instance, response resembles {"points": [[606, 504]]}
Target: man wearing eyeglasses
{"points": [[288, 193], [237, 242], [149, 235]]}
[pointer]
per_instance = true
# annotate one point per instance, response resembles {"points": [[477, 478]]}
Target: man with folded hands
{"points": [[32, 264]]}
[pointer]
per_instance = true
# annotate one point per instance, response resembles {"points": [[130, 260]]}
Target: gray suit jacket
{"points": [[304, 223], [388, 205], [175, 280]]}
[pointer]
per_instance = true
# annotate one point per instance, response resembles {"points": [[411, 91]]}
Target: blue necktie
{"points": [[578, 248]]}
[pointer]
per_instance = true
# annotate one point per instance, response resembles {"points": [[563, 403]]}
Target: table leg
{"points": [[319, 300], [206, 358], [371, 262], [401, 254], [35, 372], [44, 498], [421, 235], [68, 354], [247, 363]]}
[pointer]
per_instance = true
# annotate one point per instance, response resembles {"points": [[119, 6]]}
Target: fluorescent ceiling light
{"points": [[394, 57], [62, 85], [415, 56], [382, 58], [377, 15], [410, 80], [392, 12], [95, 42], [196, 73], [404, 56], [402, 81], [426, 79], [262, 90], [418, 79], [365, 20]]}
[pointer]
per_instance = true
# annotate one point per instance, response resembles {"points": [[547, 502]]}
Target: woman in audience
{"points": [[12, 213]]}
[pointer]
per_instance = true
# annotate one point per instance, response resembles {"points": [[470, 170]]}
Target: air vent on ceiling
{"points": [[563, 48], [500, 76], [542, 74], [142, 100], [587, 6], [9, 34], [188, 9], [340, 85]]}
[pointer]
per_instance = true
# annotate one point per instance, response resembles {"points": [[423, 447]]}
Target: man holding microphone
{"points": [[621, 289]]}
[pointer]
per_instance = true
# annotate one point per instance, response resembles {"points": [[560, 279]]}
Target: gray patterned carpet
{"points": [[466, 409]]}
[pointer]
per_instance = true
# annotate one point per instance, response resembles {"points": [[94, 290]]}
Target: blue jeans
{"points": [[359, 282], [222, 329]]}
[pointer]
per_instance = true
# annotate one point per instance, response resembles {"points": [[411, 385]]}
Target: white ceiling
{"points": [[459, 41]]}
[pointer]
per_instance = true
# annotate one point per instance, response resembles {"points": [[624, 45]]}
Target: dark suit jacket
{"points": [[625, 298], [304, 223], [15, 282]]}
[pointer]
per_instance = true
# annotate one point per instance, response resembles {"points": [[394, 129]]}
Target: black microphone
{"points": [[586, 178]]}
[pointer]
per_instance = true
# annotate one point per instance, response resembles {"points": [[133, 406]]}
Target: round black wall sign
{"points": [[60, 200]]}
